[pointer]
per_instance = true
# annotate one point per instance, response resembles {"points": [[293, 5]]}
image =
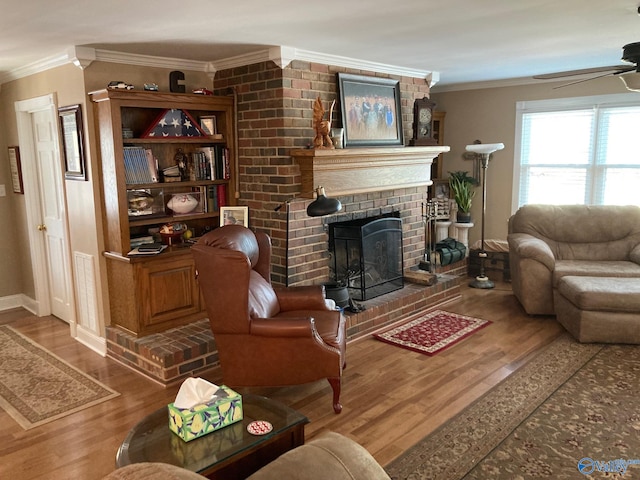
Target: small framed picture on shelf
{"points": [[441, 189], [209, 125], [234, 216]]}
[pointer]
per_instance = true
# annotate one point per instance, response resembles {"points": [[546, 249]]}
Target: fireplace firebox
{"points": [[367, 255]]}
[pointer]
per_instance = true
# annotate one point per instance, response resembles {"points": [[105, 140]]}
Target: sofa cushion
{"points": [[330, 456], [152, 471], [611, 294], [578, 232], [590, 268]]}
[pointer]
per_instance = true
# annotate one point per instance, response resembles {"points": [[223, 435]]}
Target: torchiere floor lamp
{"points": [[483, 151]]}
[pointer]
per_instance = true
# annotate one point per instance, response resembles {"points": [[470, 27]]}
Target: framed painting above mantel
{"points": [[371, 111]]}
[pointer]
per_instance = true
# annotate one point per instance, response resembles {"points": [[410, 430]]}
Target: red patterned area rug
{"points": [[432, 332]]}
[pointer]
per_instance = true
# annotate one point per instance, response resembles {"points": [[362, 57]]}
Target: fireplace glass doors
{"points": [[367, 256]]}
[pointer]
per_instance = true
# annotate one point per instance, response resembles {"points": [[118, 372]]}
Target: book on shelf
{"points": [[222, 195], [152, 165], [212, 198], [144, 251], [137, 241], [151, 247], [215, 155], [216, 197], [210, 162], [201, 164], [140, 166]]}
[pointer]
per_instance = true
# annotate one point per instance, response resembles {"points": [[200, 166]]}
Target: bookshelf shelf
{"points": [[158, 292], [173, 140], [174, 218]]}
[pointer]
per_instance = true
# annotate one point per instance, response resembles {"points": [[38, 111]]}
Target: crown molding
{"points": [[151, 61], [36, 67], [81, 57], [509, 82], [282, 56]]}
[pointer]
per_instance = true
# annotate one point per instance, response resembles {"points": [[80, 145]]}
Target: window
{"points": [[584, 150]]}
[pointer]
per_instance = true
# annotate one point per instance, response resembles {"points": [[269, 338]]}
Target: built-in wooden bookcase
{"points": [[153, 293]]}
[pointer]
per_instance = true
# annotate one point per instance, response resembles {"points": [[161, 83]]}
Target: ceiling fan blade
{"points": [[613, 69], [591, 78]]}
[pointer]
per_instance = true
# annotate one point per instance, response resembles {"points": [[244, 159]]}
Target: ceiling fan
{"points": [[630, 53]]}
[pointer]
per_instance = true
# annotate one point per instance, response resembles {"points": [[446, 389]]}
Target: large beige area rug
{"points": [[571, 412], [37, 387]]}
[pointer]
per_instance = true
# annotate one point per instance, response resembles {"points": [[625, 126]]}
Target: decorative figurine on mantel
{"points": [[322, 126]]}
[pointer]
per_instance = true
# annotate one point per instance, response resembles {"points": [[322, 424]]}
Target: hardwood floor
{"points": [[392, 397]]}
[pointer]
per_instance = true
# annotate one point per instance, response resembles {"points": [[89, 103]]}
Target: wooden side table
{"points": [[229, 453]]}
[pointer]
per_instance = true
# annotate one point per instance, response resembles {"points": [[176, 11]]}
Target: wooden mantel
{"points": [[360, 170]]}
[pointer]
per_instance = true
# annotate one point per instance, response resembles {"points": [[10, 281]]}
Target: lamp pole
{"points": [[482, 281], [484, 151]]}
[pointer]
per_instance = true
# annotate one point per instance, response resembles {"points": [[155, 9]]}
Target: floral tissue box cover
{"points": [[191, 423]]}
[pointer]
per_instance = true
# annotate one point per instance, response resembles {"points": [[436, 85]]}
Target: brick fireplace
{"points": [[274, 118], [274, 128], [275, 167], [369, 183]]}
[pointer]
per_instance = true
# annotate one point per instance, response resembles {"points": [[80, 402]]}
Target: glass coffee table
{"points": [[229, 453]]}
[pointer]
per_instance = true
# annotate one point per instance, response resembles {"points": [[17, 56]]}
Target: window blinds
{"points": [[580, 156]]}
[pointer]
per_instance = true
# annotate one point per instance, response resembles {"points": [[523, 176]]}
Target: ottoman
{"points": [[599, 309]]}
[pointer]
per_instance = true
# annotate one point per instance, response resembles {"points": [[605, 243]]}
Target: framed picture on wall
{"points": [[371, 111], [16, 170], [234, 216], [72, 142]]}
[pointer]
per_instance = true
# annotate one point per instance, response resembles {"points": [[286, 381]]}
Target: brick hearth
{"points": [[173, 355]]}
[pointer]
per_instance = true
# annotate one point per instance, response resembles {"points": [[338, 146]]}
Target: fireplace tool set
{"points": [[430, 215]]}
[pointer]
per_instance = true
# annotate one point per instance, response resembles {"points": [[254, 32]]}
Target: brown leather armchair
{"points": [[266, 336]]}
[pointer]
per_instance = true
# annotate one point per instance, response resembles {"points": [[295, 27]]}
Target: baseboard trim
{"points": [[90, 340], [18, 301]]}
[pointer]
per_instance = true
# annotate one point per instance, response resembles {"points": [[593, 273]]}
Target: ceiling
{"points": [[464, 40]]}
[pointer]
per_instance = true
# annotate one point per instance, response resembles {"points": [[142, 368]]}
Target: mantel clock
{"points": [[423, 122]]}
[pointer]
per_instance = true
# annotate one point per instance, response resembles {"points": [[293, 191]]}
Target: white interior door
{"points": [[52, 206], [45, 207]]}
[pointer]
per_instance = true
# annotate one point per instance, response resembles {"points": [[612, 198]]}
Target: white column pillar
{"points": [[442, 229], [462, 233]]}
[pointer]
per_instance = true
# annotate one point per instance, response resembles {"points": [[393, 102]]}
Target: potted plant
{"points": [[462, 185]]}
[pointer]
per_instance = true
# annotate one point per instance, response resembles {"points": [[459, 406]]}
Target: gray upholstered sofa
{"points": [[550, 242]]}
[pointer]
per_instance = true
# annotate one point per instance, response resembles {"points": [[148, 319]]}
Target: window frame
{"points": [[596, 102]]}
